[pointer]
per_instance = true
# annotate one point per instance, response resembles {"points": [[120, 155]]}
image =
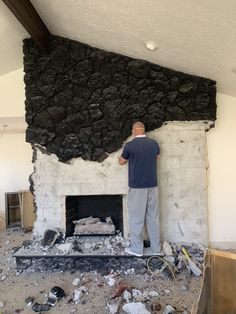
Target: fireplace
{"points": [[101, 206], [80, 105]]}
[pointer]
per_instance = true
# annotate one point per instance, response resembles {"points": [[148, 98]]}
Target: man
{"points": [[141, 154]]}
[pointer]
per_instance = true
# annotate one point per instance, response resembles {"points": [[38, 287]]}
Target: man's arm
{"points": [[122, 161]]}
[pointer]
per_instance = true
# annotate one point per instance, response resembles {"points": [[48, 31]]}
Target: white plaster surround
{"points": [[181, 176]]}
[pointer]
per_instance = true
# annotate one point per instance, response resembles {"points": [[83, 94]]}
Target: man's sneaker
{"points": [[127, 250]]}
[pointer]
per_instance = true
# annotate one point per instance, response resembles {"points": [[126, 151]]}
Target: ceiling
{"points": [[192, 36]]}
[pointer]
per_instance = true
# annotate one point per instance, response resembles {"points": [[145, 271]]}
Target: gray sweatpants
{"points": [[143, 208]]}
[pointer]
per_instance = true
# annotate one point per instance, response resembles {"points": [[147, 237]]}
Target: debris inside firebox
{"points": [[92, 225]]}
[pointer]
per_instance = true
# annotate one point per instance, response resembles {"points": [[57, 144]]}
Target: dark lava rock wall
{"points": [[81, 101]]}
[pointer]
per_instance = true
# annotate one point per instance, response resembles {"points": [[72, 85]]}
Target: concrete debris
{"points": [[170, 259], [2, 304], [167, 249], [36, 307], [50, 237], [110, 279], [135, 308], [153, 294], [76, 282], [119, 289], [169, 309], [138, 295], [64, 247], [78, 294], [136, 292], [167, 291], [84, 289], [127, 296], [113, 306], [146, 295]]}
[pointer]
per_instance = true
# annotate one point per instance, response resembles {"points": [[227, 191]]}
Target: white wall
{"points": [[12, 94], [221, 143], [15, 165], [15, 153]]}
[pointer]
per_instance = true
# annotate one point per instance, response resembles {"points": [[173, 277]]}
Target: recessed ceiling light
{"points": [[150, 45]]}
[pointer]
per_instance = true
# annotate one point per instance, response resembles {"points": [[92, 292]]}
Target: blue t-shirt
{"points": [[142, 155]]}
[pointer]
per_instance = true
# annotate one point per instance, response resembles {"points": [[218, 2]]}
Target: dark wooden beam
{"points": [[26, 14]]}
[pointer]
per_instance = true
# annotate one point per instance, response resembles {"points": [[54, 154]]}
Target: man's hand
{"points": [[122, 161]]}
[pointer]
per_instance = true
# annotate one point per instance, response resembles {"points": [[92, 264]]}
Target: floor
{"points": [[16, 287]]}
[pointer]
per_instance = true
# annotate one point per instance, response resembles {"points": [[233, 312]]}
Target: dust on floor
{"points": [[16, 287]]}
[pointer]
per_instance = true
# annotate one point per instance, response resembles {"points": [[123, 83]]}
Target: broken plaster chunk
{"points": [[110, 280], [135, 308], [169, 259], [76, 282], [138, 295], [194, 268], [88, 245], [40, 307], [166, 247], [2, 304], [84, 289], [50, 237], [126, 296], [169, 309], [153, 293], [65, 247], [113, 306], [78, 294]]}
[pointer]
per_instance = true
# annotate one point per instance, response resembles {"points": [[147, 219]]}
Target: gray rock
{"points": [[78, 294], [167, 249], [135, 308], [76, 282], [169, 309], [153, 293], [113, 306], [65, 247]]}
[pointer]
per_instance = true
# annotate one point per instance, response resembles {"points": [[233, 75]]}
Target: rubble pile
{"points": [[177, 259], [123, 290]]}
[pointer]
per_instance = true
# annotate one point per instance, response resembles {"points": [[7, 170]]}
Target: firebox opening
{"points": [[101, 206]]}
